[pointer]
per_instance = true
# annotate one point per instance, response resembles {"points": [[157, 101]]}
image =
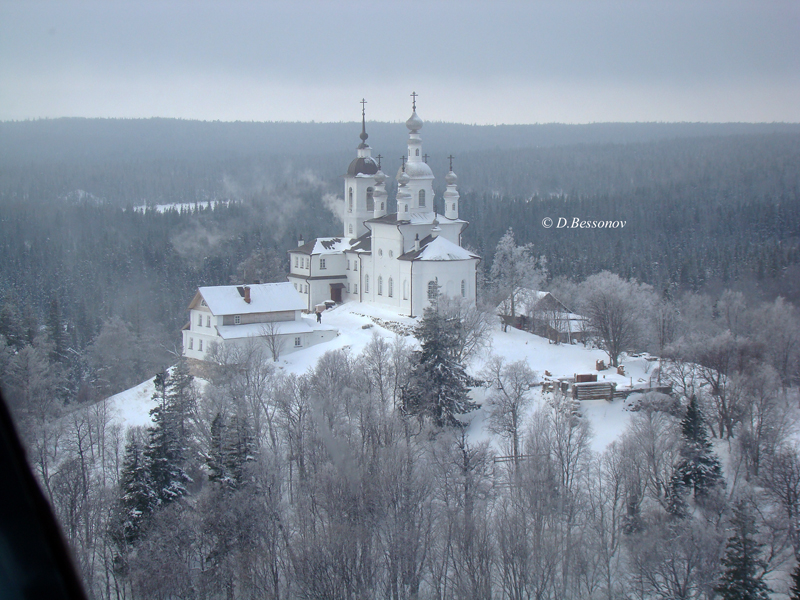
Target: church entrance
{"points": [[336, 292]]}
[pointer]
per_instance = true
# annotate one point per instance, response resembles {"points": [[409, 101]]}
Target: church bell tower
{"points": [[360, 186]]}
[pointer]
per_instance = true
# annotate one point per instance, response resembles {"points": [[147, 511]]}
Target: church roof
{"points": [[438, 248], [415, 218], [264, 297], [362, 165], [324, 245], [363, 244]]}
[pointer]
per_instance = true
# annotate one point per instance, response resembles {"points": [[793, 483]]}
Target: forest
{"points": [[357, 478]]}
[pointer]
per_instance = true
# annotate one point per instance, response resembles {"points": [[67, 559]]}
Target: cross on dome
{"points": [[363, 135], [414, 100], [451, 157]]}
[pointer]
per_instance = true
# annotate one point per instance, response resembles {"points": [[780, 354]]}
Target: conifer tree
{"points": [[137, 499], [166, 450], [794, 591], [439, 385], [699, 468], [743, 568], [232, 447]]}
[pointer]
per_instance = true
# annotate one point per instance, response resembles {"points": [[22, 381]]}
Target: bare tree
{"points": [[474, 326], [615, 308], [508, 397], [273, 338]]}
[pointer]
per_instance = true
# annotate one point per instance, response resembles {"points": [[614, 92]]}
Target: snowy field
{"points": [[608, 419]]}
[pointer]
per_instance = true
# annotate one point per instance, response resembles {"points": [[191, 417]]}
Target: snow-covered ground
{"points": [[608, 419]]}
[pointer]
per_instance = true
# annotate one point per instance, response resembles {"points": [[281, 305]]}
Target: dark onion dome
{"points": [[362, 166]]}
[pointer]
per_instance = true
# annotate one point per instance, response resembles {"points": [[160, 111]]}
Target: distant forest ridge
{"points": [[101, 140]]}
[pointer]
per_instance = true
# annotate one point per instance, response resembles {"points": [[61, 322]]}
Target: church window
{"points": [[350, 229], [200, 345], [370, 199], [191, 343], [237, 320], [350, 200], [391, 254], [463, 288], [355, 288], [366, 284], [208, 321], [348, 287], [405, 289], [380, 285], [433, 290], [380, 251], [454, 205], [417, 151], [355, 265], [348, 265], [422, 197], [199, 320], [295, 262], [382, 205], [322, 263], [298, 342], [391, 288], [405, 208]]}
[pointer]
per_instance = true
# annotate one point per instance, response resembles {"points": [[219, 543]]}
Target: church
{"points": [[401, 260]]}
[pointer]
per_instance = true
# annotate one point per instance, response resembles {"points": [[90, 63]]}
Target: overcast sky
{"points": [[473, 62]]}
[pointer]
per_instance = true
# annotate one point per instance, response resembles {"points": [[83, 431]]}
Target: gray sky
{"points": [[573, 61]]}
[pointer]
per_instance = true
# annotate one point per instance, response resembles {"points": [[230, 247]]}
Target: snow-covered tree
{"points": [[615, 309], [508, 397], [699, 468], [138, 499], [439, 385], [515, 269], [166, 448], [743, 567]]}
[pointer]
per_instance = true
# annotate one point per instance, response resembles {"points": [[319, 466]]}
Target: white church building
{"points": [[403, 259]]}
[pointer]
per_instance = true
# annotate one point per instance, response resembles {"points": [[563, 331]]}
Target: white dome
{"points": [[402, 177], [451, 178], [417, 170], [414, 123]]}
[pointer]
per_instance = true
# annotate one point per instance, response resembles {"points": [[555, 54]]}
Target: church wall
{"points": [[449, 275]]}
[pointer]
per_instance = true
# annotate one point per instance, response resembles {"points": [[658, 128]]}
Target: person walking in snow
{"points": [[319, 317]]}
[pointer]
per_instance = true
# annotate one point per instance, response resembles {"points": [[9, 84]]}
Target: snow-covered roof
{"points": [[438, 248], [415, 218], [230, 332], [325, 245], [264, 297], [527, 301]]}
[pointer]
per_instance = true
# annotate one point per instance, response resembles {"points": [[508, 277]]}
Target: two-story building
{"points": [[231, 315]]}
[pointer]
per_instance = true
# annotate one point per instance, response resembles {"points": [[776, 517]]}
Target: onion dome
{"points": [[403, 178], [362, 165], [380, 177], [451, 178], [414, 123]]}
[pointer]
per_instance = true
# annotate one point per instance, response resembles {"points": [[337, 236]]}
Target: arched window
{"points": [[391, 288], [350, 200], [422, 197], [454, 205], [366, 284], [405, 289], [463, 288], [382, 205], [380, 285], [370, 200], [350, 229], [433, 290], [417, 151]]}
